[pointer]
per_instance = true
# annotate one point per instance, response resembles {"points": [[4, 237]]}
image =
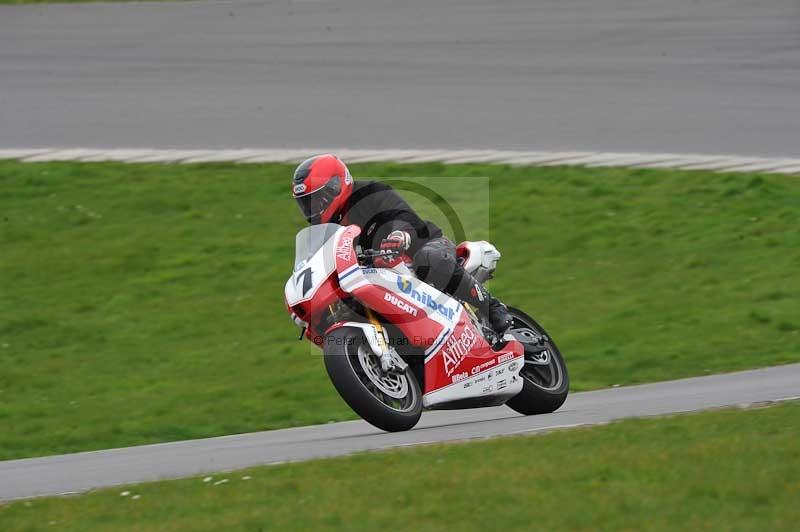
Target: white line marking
{"points": [[787, 170], [21, 154], [476, 156], [613, 159], [371, 156], [539, 158], [434, 156], [170, 156], [279, 156], [221, 156], [575, 160], [725, 162], [679, 161], [62, 155], [766, 164], [121, 155], [719, 163]]}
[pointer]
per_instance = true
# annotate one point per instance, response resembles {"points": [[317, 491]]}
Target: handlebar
{"points": [[372, 253], [368, 256]]}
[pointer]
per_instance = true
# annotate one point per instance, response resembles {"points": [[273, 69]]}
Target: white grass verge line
{"points": [[719, 163]]}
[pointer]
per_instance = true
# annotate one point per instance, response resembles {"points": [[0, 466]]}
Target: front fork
{"points": [[377, 341], [388, 355]]}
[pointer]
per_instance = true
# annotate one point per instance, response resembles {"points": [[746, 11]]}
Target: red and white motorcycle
{"points": [[394, 345]]}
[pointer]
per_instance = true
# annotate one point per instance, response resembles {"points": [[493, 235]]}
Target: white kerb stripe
{"points": [[709, 162]]}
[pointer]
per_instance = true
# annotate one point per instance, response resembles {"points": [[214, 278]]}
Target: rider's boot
{"points": [[474, 293], [499, 316]]}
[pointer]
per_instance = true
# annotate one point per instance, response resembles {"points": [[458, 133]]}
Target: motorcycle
{"points": [[394, 345]]}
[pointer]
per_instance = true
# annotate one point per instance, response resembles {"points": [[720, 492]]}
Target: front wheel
{"points": [[391, 401], [545, 381]]}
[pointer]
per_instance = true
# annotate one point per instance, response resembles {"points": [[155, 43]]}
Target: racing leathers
{"points": [[387, 222]]}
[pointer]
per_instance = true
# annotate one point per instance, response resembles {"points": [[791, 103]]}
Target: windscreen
{"points": [[311, 239]]}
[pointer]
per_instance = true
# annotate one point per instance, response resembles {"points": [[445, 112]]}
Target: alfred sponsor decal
{"points": [[456, 349], [399, 303], [345, 248]]}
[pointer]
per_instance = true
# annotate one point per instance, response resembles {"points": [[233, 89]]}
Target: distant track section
{"points": [[719, 163], [683, 76]]}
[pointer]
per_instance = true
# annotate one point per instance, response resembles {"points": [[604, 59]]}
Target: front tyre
{"points": [[545, 381], [390, 401]]}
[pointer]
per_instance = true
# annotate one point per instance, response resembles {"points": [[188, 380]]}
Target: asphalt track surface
{"points": [[716, 76], [83, 471]]}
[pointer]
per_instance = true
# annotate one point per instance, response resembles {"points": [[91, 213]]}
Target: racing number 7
{"points": [[306, 275]]}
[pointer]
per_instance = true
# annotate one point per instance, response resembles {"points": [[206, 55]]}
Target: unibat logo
{"points": [[424, 298]]}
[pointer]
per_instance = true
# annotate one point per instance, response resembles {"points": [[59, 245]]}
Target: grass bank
{"points": [[143, 303], [725, 470]]}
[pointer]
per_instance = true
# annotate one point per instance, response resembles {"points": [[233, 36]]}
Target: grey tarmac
{"points": [[83, 471], [717, 76]]}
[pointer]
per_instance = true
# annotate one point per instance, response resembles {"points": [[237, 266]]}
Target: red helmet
{"points": [[322, 185]]}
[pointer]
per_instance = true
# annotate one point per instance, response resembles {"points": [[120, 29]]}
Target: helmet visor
{"points": [[315, 203]]}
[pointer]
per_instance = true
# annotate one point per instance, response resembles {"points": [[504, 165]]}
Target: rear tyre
{"points": [[544, 387], [390, 401]]}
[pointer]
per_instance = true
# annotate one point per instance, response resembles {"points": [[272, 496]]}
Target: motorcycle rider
{"points": [[326, 193]]}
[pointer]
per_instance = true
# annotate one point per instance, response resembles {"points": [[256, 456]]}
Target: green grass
{"points": [[144, 303], [725, 470]]}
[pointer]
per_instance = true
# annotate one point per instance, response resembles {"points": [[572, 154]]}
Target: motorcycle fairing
{"points": [[309, 275], [488, 379], [457, 357], [423, 319]]}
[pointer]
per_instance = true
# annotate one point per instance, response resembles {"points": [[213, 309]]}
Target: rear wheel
{"points": [[391, 401], [545, 381]]}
